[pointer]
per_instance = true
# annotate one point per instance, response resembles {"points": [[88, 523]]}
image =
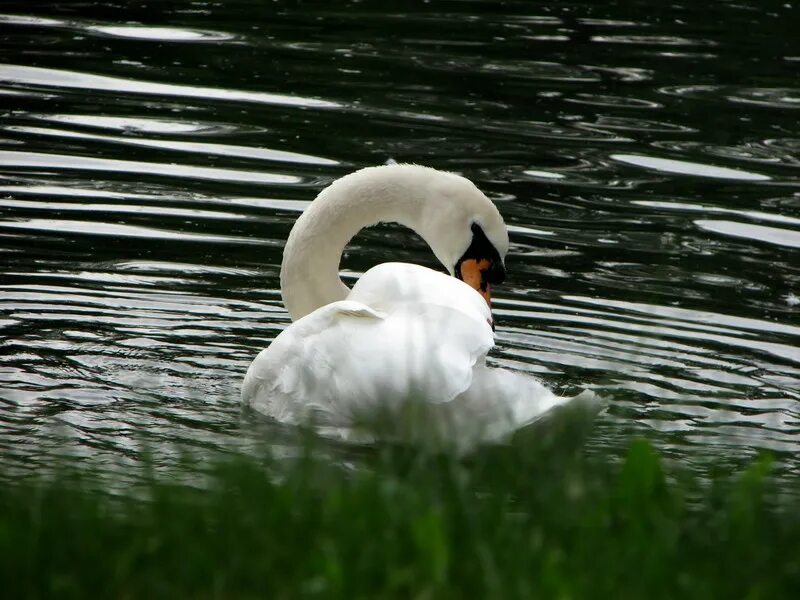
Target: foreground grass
{"points": [[509, 524]]}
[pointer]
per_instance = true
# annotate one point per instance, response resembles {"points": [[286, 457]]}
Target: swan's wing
{"points": [[500, 402], [347, 363], [497, 404], [276, 378]]}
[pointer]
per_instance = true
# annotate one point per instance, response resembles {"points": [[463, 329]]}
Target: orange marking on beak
{"points": [[472, 274]]}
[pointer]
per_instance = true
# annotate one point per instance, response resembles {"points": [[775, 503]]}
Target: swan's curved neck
{"points": [[310, 268]]}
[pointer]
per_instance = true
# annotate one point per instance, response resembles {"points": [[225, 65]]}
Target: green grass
{"points": [[506, 523]]}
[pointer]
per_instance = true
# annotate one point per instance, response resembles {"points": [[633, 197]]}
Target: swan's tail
{"points": [[500, 402]]}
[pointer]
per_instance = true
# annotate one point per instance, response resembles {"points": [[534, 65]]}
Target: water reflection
{"points": [[761, 233], [683, 167], [137, 124], [19, 75], [159, 34], [195, 147], [38, 160]]}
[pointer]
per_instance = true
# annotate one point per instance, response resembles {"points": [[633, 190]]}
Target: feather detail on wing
{"points": [[346, 362]]}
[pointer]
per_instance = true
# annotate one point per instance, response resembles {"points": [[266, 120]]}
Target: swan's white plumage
{"points": [[401, 355], [405, 332]]}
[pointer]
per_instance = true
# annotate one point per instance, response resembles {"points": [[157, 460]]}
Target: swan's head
{"points": [[465, 231]]}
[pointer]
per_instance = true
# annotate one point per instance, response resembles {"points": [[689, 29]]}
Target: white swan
{"points": [[402, 354]]}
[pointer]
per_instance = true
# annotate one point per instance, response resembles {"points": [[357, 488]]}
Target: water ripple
{"points": [[159, 34], [63, 226], [132, 124], [761, 233], [37, 160], [781, 98], [61, 79], [780, 151], [195, 147], [682, 167]]}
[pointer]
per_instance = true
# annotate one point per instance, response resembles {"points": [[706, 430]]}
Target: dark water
{"points": [[154, 155]]}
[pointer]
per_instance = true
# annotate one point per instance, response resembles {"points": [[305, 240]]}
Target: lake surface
{"points": [[153, 159]]}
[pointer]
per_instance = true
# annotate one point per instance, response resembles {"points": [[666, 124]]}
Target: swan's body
{"points": [[402, 354]]}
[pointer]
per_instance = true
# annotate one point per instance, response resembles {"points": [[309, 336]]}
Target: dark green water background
{"points": [[153, 157]]}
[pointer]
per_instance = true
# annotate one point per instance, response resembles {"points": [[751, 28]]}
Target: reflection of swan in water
{"points": [[404, 350]]}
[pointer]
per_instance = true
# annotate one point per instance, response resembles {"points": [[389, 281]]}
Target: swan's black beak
{"points": [[496, 273]]}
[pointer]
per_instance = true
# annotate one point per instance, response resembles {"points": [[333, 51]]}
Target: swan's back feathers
{"points": [[347, 362], [392, 284]]}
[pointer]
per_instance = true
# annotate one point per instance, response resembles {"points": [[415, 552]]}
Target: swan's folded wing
{"points": [[278, 377], [497, 404], [502, 401], [346, 363]]}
